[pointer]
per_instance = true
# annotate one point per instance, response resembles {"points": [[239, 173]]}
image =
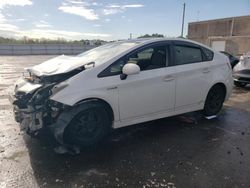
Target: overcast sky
{"points": [[108, 19]]}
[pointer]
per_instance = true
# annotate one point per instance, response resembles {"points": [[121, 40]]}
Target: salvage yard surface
{"points": [[182, 152]]}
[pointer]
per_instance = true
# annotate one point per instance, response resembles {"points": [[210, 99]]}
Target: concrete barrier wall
{"points": [[43, 49]]}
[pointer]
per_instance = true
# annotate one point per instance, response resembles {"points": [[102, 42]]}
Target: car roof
{"points": [[143, 41]]}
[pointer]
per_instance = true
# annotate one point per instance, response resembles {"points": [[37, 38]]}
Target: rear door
{"points": [[192, 75]]}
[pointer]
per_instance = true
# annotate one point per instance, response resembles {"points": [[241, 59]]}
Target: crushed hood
{"points": [[58, 65]]}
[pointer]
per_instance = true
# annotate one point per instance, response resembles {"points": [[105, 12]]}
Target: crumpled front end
{"points": [[31, 101], [27, 110], [32, 106]]}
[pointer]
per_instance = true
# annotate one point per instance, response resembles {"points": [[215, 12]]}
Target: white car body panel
{"points": [[191, 84], [221, 73], [155, 94], [24, 86]]}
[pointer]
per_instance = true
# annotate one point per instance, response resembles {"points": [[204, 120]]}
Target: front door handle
{"points": [[168, 78], [206, 70], [112, 88]]}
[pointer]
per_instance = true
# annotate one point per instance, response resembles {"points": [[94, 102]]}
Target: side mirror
{"points": [[129, 69]]}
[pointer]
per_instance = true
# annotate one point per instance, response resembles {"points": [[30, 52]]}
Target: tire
{"points": [[88, 127], [214, 100], [239, 84]]}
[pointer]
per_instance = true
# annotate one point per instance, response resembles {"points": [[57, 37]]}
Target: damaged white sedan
{"points": [[81, 98]]}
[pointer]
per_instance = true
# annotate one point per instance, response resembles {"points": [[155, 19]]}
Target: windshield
{"points": [[106, 52]]}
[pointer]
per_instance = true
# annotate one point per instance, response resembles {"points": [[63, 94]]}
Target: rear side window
{"points": [[209, 55], [187, 54]]}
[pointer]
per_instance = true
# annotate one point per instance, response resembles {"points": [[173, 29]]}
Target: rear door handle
{"points": [[206, 70], [168, 78]]}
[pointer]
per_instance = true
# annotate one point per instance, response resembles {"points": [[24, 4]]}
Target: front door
{"points": [[152, 91]]}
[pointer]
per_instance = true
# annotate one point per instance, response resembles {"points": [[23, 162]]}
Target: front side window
{"points": [[150, 58], [187, 54], [147, 59]]}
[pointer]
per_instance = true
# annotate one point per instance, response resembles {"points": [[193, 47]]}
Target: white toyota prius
{"points": [[80, 98]]}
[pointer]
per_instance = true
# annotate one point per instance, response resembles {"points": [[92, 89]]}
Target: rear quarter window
{"points": [[209, 55]]}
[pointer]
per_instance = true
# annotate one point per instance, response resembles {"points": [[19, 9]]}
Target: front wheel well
{"points": [[103, 102]]}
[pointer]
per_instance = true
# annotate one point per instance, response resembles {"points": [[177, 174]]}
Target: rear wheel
{"points": [[239, 84], [88, 127], [214, 100]]}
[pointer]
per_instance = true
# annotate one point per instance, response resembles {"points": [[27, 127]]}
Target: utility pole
{"points": [[198, 14], [183, 18]]}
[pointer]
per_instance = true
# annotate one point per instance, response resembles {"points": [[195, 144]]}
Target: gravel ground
{"points": [[184, 151]]}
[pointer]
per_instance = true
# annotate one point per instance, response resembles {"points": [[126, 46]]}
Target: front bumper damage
{"points": [[33, 108], [30, 120]]}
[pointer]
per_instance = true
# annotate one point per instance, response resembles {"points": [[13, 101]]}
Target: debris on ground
{"points": [[215, 139], [187, 119], [73, 150], [58, 180], [241, 153], [211, 117], [153, 173], [92, 172], [2, 149]]}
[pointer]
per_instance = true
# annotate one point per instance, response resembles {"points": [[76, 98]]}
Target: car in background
{"points": [[241, 72], [81, 98], [233, 60]]}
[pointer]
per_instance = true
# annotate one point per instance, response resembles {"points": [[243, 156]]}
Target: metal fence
{"points": [[43, 49]]}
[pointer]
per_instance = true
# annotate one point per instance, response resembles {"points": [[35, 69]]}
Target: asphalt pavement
{"points": [[185, 151]]}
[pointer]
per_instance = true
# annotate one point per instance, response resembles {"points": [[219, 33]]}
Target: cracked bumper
{"points": [[29, 119]]}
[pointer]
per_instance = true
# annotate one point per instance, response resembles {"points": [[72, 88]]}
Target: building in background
{"points": [[227, 34]]}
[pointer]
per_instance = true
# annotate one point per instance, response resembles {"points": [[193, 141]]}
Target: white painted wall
{"points": [[219, 45]]}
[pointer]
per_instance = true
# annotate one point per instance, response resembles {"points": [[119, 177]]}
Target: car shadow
{"points": [[130, 156], [240, 90]]}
